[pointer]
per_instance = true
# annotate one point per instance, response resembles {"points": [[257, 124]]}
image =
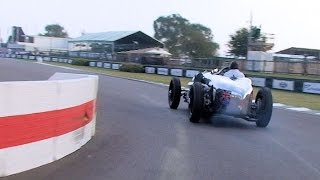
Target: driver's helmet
{"points": [[234, 65]]}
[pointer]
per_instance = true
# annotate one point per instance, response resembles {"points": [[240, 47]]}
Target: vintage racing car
{"points": [[211, 92]]}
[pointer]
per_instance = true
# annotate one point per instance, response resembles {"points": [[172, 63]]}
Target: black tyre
{"points": [[174, 93], [264, 107], [196, 102]]}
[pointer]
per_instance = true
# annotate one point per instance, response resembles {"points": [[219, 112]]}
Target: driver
{"points": [[234, 72]]}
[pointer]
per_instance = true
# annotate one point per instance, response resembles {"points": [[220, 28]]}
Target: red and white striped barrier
{"points": [[43, 121]]}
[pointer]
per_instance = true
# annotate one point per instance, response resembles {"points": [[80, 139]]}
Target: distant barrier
{"points": [[43, 121], [296, 85], [288, 84]]}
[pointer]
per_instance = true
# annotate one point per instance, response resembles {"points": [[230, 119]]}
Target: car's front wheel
{"points": [[264, 104], [196, 102], [174, 93]]}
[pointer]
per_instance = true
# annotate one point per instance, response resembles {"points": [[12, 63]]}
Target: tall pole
{"points": [[112, 53], [249, 34], [0, 37], [249, 40]]}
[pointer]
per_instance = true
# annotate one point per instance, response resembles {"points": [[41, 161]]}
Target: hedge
{"points": [[131, 67], [80, 62]]}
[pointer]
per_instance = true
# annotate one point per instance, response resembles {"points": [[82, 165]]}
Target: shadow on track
{"points": [[221, 121], [224, 121]]}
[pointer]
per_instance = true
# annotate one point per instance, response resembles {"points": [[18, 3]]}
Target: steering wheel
{"points": [[224, 70]]}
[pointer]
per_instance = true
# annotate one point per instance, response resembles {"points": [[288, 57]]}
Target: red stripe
{"points": [[23, 129]]}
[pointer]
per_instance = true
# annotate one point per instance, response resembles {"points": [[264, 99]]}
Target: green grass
{"points": [[291, 76], [310, 101], [117, 73]]}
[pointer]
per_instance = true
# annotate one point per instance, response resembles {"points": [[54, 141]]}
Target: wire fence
{"points": [[303, 66]]}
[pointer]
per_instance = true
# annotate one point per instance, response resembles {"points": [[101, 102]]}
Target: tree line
{"points": [[185, 39]]}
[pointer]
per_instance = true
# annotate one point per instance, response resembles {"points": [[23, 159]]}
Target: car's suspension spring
{"points": [[185, 97], [207, 100]]}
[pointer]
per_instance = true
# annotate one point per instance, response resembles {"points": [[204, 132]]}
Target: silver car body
{"points": [[240, 89]]}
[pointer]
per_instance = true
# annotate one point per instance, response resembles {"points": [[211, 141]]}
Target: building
{"points": [[112, 42], [44, 44], [19, 41], [155, 56], [301, 51]]}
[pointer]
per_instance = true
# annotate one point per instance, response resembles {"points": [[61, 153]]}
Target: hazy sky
{"points": [[294, 22]]}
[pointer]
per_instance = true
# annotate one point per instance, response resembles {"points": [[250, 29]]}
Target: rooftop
{"points": [[299, 49], [109, 36]]}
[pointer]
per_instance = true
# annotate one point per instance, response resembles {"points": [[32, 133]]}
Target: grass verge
{"points": [[277, 75], [310, 101]]}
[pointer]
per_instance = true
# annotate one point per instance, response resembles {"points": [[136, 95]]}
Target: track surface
{"points": [[139, 137]]}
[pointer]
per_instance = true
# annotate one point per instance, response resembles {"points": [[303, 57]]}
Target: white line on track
{"points": [[58, 66], [278, 105], [300, 109]]}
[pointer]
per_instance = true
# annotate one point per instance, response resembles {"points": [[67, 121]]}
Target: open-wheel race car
{"points": [[212, 93]]}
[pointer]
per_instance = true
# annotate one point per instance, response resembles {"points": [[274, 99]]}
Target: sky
{"points": [[294, 23]]}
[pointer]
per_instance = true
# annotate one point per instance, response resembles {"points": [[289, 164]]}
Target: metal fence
{"points": [[303, 67], [308, 67]]}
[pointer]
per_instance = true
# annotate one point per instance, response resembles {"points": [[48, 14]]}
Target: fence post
{"points": [[305, 65]]}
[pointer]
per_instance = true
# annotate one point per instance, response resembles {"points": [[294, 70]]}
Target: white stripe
{"points": [[278, 105], [300, 109], [58, 66], [28, 156]]}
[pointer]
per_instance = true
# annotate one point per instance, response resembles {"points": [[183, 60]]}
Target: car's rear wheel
{"points": [[174, 93], [264, 104], [196, 102]]}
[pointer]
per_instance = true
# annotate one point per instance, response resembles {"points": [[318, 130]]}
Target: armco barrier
{"points": [[288, 84], [107, 65], [43, 121], [115, 66], [163, 71], [257, 81], [92, 64], [283, 84], [100, 64], [305, 86], [47, 58], [150, 70], [309, 87], [54, 59], [176, 72], [191, 73]]}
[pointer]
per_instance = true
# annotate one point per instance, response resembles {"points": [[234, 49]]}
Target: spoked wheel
{"points": [[196, 102], [264, 104], [174, 93]]}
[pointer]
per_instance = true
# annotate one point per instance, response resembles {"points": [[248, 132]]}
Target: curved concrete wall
{"points": [[43, 121]]}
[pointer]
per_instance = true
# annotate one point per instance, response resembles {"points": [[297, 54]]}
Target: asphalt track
{"points": [[139, 137]]}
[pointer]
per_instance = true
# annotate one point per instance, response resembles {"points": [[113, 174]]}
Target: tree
{"points": [[55, 30], [238, 43], [183, 38]]}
